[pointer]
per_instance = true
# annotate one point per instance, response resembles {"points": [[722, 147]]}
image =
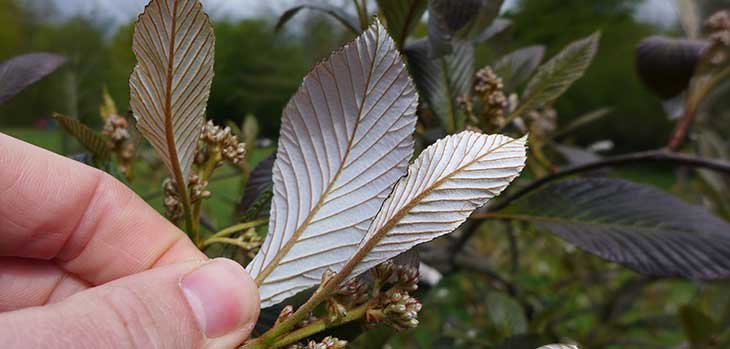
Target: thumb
{"points": [[196, 304]]}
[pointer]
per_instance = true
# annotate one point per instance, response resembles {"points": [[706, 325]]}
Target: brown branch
{"points": [[652, 156]]}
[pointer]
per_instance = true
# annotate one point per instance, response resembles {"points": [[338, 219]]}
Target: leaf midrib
{"points": [[169, 128]]}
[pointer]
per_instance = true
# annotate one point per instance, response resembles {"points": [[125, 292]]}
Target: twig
{"points": [[692, 104], [228, 241], [236, 228], [659, 155]]}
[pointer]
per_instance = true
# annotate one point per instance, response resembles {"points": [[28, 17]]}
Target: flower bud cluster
{"points": [[544, 121], [395, 307], [488, 101], [223, 140], [490, 89], [354, 292], [171, 201], [198, 188], [327, 343], [116, 130], [407, 278], [718, 25], [401, 310]]}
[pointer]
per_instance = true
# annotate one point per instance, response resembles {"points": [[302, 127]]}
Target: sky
{"points": [[117, 12]]}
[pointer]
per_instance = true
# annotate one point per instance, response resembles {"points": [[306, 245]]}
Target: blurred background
{"points": [[257, 70]]}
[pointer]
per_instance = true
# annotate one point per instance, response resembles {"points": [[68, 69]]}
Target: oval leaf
{"points": [[169, 87], [635, 225], [20, 72], [442, 80], [448, 181], [451, 21], [346, 138], [517, 66], [558, 74], [402, 16]]}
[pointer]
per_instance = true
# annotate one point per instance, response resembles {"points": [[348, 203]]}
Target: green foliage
{"points": [[517, 66], [638, 121]]}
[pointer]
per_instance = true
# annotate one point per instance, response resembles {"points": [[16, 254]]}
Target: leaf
{"points": [[505, 314], [258, 182], [169, 87], [498, 26], [108, 107], [448, 181], [442, 80], [583, 120], [516, 67], [22, 71], [634, 225], [559, 346], [700, 329], [90, 139], [346, 138], [451, 21], [558, 74], [350, 22], [401, 17]]}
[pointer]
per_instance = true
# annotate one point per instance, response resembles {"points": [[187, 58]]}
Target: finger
{"points": [[26, 283], [92, 225], [187, 305]]}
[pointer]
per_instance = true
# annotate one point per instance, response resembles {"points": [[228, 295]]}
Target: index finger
{"points": [[57, 209]]}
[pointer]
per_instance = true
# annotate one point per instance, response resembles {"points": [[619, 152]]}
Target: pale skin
{"points": [[86, 263]]}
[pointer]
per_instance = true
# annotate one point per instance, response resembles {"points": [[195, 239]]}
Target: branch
{"points": [[659, 156]]}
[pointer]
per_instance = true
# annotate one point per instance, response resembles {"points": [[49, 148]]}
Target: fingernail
{"points": [[222, 295]]}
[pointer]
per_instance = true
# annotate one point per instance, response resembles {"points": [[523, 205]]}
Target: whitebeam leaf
{"points": [[346, 138], [174, 44], [447, 182]]}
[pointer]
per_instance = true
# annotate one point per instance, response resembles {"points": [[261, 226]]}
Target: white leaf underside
{"points": [[447, 182], [169, 88], [346, 138]]}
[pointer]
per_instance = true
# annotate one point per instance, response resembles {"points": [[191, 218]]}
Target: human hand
{"points": [[86, 263]]}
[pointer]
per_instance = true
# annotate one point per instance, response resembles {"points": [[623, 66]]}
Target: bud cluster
{"points": [[354, 292], [489, 101], [395, 307], [544, 121], [718, 25], [116, 130], [215, 138], [327, 343], [171, 200], [489, 88], [198, 188], [401, 310]]}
